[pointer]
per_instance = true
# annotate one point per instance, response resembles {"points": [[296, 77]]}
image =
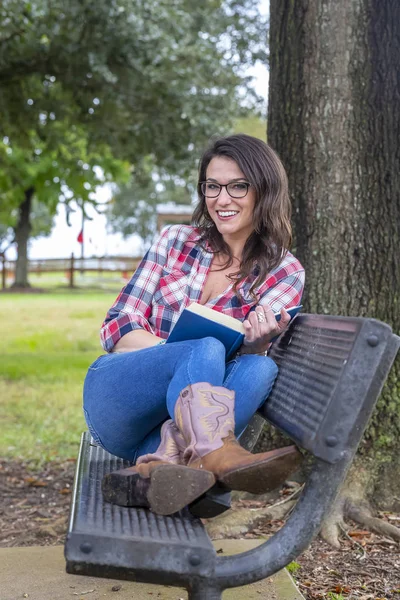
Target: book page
{"points": [[217, 317]]}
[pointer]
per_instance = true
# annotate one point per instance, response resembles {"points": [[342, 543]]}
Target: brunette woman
{"points": [[176, 410]]}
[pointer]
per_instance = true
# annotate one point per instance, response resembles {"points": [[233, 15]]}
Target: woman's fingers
{"points": [[271, 322], [247, 328], [261, 325], [253, 330], [285, 318]]}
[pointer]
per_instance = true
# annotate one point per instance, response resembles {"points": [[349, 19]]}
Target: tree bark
{"points": [[334, 118], [22, 232]]}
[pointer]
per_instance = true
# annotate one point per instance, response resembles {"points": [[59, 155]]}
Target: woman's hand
{"points": [[261, 327]]}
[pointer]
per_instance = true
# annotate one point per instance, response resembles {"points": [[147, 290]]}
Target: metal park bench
{"points": [[331, 371]]}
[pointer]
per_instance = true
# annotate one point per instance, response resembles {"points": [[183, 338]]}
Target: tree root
{"points": [[361, 513], [237, 522], [333, 524], [350, 504], [363, 516]]}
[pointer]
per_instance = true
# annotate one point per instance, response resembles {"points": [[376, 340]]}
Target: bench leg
{"points": [[201, 591], [211, 504]]}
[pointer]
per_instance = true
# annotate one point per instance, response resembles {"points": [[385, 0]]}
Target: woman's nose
{"points": [[224, 197]]}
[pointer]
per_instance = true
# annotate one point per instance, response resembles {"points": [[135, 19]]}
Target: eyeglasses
{"points": [[236, 189]]}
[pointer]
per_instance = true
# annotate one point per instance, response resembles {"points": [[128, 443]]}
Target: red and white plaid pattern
{"points": [[172, 275]]}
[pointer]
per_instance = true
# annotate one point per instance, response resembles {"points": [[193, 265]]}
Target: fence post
{"points": [[3, 271], [71, 271]]}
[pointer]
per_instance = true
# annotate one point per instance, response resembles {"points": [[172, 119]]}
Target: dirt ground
{"points": [[34, 508]]}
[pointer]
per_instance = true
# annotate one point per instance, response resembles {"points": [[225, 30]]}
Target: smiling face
{"points": [[233, 217]]}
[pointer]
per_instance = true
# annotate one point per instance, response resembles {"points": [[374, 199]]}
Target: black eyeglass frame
{"points": [[224, 185]]}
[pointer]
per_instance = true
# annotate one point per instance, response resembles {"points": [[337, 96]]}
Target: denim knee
{"points": [[262, 369], [209, 349], [254, 375]]}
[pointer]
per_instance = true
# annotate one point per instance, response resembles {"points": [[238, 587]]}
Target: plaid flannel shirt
{"points": [[172, 275]]}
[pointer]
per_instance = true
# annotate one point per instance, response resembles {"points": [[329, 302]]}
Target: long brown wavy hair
{"points": [[268, 243]]}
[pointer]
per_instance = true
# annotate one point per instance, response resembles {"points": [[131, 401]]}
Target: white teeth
{"points": [[228, 213]]}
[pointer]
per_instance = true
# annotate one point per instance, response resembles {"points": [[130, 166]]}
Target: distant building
{"points": [[171, 214]]}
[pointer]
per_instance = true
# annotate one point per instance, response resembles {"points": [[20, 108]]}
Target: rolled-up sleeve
{"points": [[132, 308]]}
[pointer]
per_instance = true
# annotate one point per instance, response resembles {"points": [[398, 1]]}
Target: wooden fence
{"points": [[115, 264]]}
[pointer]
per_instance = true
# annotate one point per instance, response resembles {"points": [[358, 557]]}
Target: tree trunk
{"points": [[334, 118], [22, 232]]}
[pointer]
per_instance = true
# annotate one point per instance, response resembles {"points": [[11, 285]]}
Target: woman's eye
{"points": [[212, 186], [239, 186]]}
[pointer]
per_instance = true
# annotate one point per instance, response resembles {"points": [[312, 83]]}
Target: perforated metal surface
{"points": [[93, 514], [326, 366], [103, 535], [310, 364]]}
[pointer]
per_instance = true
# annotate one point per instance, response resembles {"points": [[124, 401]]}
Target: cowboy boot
{"points": [[205, 416], [158, 481]]}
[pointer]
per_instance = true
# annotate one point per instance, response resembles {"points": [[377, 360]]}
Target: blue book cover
{"points": [[198, 321]]}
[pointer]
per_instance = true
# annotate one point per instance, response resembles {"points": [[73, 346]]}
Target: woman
{"points": [[177, 409]]}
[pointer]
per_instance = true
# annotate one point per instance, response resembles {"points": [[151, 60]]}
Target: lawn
{"points": [[49, 340]]}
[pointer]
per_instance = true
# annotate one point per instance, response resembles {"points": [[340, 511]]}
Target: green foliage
{"points": [[293, 568], [134, 206], [334, 596], [145, 78], [6, 236], [56, 162], [41, 219], [88, 84], [252, 125]]}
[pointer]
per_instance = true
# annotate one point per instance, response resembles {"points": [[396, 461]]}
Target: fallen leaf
{"points": [[358, 533], [33, 482], [340, 589]]}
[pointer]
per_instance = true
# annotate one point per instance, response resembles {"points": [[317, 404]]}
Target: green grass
{"points": [[48, 342]]}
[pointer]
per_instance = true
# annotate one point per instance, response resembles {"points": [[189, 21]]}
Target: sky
{"points": [[97, 241]]}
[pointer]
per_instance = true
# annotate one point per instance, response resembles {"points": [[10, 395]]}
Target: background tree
{"points": [[140, 80], [134, 205], [133, 208], [334, 117], [56, 167], [42, 224]]}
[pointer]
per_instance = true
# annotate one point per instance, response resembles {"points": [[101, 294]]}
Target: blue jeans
{"points": [[128, 396]]}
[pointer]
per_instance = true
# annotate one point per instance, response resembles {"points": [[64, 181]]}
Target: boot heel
{"points": [[125, 488], [262, 477], [173, 487]]}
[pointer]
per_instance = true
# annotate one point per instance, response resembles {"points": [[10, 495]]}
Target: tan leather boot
{"points": [[205, 416], [158, 481]]}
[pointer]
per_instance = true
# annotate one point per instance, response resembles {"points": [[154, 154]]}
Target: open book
{"points": [[198, 321]]}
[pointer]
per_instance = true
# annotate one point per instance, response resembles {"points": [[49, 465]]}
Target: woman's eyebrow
{"points": [[230, 181]]}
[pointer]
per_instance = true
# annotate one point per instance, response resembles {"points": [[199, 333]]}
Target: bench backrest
{"points": [[331, 370]]}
